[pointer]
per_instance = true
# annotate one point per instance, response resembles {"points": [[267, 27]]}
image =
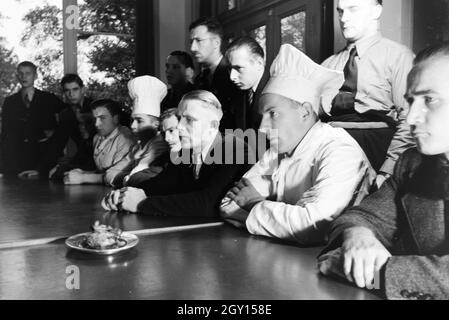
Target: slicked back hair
{"points": [[246, 41]]}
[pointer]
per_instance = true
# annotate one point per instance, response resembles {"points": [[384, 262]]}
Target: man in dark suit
{"points": [[206, 38], [28, 123], [247, 60], [76, 122], [194, 183], [398, 238], [248, 73]]}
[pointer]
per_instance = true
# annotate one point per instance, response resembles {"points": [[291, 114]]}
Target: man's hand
{"points": [[363, 256], [245, 195], [111, 201], [130, 198], [331, 263], [29, 175], [74, 177]]}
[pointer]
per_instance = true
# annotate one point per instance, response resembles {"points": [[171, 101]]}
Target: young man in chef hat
{"points": [[147, 158], [312, 171]]}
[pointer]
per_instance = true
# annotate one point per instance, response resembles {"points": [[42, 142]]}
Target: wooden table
{"points": [[217, 262]]}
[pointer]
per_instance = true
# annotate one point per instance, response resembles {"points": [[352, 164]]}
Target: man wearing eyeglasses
{"points": [[206, 38]]}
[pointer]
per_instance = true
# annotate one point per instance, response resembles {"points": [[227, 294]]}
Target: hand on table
{"points": [[245, 195], [111, 201], [29, 175], [130, 198], [74, 177], [363, 256]]}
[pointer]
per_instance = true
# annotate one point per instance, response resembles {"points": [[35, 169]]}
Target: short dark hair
{"points": [[114, 108], [212, 25], [169, 113], [253, 46], [27, 64], [440, 49], [184, 58], [72, 77]]}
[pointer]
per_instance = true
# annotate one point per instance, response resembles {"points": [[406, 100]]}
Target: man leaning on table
{"points": [[194, 183], [312, 171], [400, 234]]}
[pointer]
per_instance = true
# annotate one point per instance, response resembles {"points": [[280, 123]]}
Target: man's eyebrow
{"points": [[419, 93]]}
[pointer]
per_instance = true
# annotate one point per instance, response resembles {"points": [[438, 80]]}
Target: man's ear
{"points": [[215, 124], [116, 119], [217, 42], [377, 12], [307, 110], [83, 90]]}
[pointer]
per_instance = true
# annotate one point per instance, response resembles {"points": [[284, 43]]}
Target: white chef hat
{"points": [[295, 76], [147, 94]]}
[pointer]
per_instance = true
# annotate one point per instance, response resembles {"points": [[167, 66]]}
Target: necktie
{"points": [[204, 79], [250, 97], [197, 161], [344, 101]]}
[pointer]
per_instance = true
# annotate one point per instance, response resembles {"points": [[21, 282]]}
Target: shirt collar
{"points": [[306, 143], [364, 45], [111, 135]]}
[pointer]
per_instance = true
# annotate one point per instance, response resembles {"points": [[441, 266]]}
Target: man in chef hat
{"points": [[312, 171], [147, 158]]}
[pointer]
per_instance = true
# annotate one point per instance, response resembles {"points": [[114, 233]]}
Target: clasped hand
{"points": [[245, 195], [127, 199]]}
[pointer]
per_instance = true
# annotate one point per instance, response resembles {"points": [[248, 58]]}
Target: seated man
{"points": [[112, 143], [151, 151], [28, 123], [76, 124], [312, 171], [195, 184], [400, 235], [178, 68], [169, 124]]}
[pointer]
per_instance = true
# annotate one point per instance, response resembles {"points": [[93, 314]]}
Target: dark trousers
{"points": [[375, 143]]}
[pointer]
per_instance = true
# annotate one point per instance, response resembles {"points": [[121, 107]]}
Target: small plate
{"points": [[76, 242]]}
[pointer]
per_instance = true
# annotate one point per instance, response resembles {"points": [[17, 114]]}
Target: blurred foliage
{"points": [[111, 57]]}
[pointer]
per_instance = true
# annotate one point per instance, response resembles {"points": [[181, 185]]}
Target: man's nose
{"points": [[193, 46], [233, 75], [416, 113]]}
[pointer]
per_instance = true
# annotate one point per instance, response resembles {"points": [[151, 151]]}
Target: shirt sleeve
{"points": [[341, 173], [402, 139]]}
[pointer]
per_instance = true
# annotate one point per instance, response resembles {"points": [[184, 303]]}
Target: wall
{"points": [[396, 23], [172, 20]]}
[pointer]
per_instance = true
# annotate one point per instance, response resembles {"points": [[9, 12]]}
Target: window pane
{"points": [[293, 30], [260, 34]]}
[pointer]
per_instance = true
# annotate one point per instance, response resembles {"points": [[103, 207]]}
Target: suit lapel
{"points": [[426, 220]]}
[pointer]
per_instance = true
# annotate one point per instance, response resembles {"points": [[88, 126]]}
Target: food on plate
{"points": [[104, 237]]}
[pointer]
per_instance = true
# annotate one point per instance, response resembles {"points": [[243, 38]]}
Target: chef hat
{"points": [[295, 76], [147, 94]]}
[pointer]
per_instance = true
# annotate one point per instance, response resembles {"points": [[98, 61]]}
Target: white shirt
{"points": [[327, 172]]}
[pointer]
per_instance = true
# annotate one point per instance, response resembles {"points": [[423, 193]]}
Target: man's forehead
{"points": [[25, 69], [354, 3], [101, 111], [71, 85], [199, 31]]}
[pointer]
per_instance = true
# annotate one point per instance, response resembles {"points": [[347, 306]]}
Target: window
{"points": [[260, 34], [293, 30]]}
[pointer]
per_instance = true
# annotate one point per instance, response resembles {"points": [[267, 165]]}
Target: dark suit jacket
{"points": [[173, 98], [175, 192], [408, 216], [69, 128], [23, 128], [230, 97], [252, 117]]}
